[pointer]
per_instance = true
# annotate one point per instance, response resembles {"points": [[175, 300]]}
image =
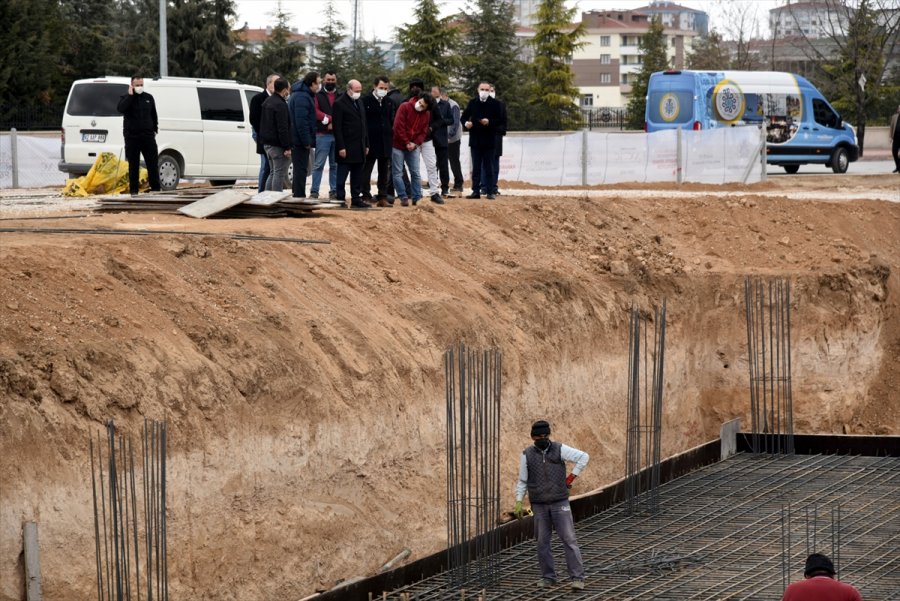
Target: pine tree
{"points": [[553, 96], [428, 45], [365, 62], [654, 58], [329, 54], [201, 41], [278, 53], [491, 53], [87, 48], [136, 45], [708, 54]]}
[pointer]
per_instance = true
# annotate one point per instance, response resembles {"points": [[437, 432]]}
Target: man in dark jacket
{"points": [[498, 148], [255, 114], [351, 143], [275, 134], [140, 126], [441, 139], [302, 108], [481, 118], [542, 473], [325, 136], [379, 126]]}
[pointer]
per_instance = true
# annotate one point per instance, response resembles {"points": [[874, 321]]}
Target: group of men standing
{"points": [[355, 133]]}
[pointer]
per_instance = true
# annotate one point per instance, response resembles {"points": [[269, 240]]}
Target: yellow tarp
{"points": [[108, 175]]}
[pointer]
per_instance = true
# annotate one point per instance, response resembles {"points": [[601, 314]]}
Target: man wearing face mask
{"points": [[140, 124], [325, 137], [255, 115], [379, 125], [302, 107], [410, 127], [482, 118], [275, 133], [351, 143], [542, 473]]}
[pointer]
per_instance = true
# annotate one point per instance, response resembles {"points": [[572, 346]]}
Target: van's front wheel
{"points": [[169, 172], [840, 160], [791, 168]]}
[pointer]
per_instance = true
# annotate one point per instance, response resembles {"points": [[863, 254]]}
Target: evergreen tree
{"points": [[201, 40], [654, 58], [708, 54], [554, 98], [329, 54], [279, 54], [428, 45], [29, 73], [491, 53], [135, 42], [365, 62], [87, 47]]}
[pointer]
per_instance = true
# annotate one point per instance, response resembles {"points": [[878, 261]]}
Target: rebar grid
{"points": [[768, 312], [718, 535], [473, 465], [642, 439]]}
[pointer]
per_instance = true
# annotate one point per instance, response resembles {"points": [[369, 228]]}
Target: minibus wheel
{"points": [[840, 160], [169, 172], [791, 168]]}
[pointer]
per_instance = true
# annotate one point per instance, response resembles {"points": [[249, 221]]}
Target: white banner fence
{"points": [[724, 155]]}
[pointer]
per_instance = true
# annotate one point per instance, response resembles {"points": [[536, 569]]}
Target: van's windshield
{"points": [[670, 106], [95, 99]]}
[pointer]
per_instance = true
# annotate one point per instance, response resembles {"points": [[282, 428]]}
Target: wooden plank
{"points": [[32, 562], [215, 203], [267, 198]]}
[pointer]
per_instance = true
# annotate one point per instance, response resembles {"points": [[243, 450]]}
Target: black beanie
{"points": [[539, 428], [818, 563]]}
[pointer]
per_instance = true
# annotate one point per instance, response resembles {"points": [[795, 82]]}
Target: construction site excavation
{"points": [[286, 401]]}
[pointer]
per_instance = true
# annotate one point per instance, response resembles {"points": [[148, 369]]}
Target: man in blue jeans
{"points": [[542, 473], [324, 100]]}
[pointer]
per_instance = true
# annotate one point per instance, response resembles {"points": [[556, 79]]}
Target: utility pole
{"points": [[163, 42], [357, 22]]}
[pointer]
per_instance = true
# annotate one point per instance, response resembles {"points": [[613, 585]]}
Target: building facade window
{"points": [[605, 59], [604, 40], [605, 78], [587, 100]]}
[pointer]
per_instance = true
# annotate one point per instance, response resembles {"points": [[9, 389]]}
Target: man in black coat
{"points": [[140, 126], [275, 134], [351, 143], [379, 126], [255, 115], [481, 118], [440, 137]]}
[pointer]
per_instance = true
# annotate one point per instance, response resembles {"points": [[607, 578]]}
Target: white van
{"points": [[204, 127]]}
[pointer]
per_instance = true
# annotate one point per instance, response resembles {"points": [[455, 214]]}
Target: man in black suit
{"points": [[255, 116], [481, 118], [351, 143], [379, 126], [140, 126]]}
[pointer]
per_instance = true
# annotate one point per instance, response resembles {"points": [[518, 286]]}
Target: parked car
{"points": [[801, 126], [204, 127]]}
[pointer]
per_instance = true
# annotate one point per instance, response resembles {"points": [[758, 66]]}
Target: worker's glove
{"points": [[569, 479], [518, 509]]}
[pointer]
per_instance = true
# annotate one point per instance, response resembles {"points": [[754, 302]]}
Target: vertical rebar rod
{"points": [[96, 526], [134, 522]]}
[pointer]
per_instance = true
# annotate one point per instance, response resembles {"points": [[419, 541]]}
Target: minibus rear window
{"points": [[673, 106], [96, 99]]}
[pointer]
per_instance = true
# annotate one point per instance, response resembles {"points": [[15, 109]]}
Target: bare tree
{"points": [[741, 21]]}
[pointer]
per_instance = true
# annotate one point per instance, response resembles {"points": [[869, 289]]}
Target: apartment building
{"points": [[811, 19], [606, 66]]}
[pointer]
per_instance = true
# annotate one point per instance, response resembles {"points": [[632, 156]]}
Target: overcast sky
{"points": [[381, 17]]}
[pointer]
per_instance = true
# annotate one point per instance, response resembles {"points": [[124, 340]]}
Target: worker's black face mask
{"points": [[542, 443], [330, 86]]}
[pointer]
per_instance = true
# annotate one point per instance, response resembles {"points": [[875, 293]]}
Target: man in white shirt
{"points": [[542, 473]]}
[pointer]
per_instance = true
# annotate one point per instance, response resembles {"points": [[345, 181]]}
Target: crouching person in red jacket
{"points": [[410, 127]]}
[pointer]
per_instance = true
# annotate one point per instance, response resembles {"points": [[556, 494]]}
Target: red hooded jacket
{"points": [[410, 125]]}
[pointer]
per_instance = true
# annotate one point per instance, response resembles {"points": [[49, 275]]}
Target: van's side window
{"points": [[823, 113], [217, 104]]}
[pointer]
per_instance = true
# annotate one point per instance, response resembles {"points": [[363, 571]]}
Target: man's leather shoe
{"points": [[474, 195], [436, 199], [490, 197]]}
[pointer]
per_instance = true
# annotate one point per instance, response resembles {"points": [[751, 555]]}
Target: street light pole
{"points": [[163, 43]]}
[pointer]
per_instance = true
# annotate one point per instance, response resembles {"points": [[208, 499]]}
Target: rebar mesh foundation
{"points": [[718, 535]]}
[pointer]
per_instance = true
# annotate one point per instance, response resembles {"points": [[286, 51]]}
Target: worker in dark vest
{"points": [[542, 473]]}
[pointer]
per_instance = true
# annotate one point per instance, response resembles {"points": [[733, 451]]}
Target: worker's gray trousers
{"points": [[556, 516]]}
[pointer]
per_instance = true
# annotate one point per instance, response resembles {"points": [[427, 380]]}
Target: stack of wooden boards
{"points": [[209, 202]]}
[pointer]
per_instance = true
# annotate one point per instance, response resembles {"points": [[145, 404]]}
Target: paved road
{"points": [[858, 168]]}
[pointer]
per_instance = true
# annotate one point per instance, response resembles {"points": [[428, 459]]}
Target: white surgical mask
{"points": [[493, 94], [138, 89], [354, 95], [420, 107], [483, 95], [379, 93]]}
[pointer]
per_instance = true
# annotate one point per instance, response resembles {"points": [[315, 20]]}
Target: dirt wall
{"points": [[303, 385]]}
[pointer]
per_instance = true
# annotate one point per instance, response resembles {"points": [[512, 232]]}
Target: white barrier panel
{"points": [[38, 160]]}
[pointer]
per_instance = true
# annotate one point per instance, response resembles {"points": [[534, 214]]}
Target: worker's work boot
{"points": [[545, 583], [577, 585]]}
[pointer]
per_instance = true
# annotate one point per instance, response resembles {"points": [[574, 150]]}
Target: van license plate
{"points": [[93, 138]]}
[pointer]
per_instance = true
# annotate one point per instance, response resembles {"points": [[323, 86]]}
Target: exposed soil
{"points": [[303, 384]]}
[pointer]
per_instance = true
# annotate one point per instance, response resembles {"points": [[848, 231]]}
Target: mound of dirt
{"points": [[303, 384]]}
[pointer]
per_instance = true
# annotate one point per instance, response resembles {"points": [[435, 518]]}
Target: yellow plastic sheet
{"points": [[108, 175]]}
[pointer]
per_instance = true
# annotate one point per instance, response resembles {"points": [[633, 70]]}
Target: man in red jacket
{"points": [[410, 127], [819, 583]]}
